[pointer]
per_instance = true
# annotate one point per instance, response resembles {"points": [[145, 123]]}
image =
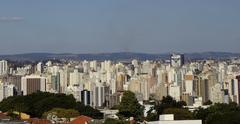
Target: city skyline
{"points": [[186, 86], [119, 26], [120, 62]]}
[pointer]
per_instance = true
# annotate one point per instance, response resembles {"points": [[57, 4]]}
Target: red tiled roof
{"points": [[4, 116], [81, 120], [38, 121]]}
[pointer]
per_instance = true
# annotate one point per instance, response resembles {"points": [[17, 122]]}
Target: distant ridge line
{"points": [[115, 56]]}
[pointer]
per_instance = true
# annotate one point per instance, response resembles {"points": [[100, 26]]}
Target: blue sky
{"points": [[93, 26]]}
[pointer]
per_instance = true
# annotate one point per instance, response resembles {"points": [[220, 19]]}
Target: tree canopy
{"points": [[37, 103], [129, 106], [160, 106], [179, 113], [115, 121], [62, 113], [88, 111], [219, 114]]}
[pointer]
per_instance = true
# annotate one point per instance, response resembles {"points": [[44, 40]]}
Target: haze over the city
{"points": [[153, 26]]}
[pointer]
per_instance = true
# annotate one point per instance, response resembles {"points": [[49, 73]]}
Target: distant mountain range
{"points": [[115, 56]]}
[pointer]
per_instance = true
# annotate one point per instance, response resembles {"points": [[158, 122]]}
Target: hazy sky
{"points": [[93, 26]]}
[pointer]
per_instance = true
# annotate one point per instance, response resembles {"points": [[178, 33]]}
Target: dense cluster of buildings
{"points": [[101, 84]]}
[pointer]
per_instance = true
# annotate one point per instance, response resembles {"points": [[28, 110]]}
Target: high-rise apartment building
{"points": [[120, 82], [177, 60], [33, 83], [217, 94], [188, 83], [75, 90], [98, 95], [14, 80], [74, 77], [39, 67], [3, 67], [238, 78], [7, 90], [55, 80], [86, 97], [64, 79]]}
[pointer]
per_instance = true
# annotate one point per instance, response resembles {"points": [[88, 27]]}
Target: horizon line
{"points": [[118, 52]]}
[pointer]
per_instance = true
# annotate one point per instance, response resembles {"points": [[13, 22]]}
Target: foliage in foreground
{"points": [[115, 121], [129, 106], [37, 103], [62, 113], [219, 114], [179, 113], [167, 105]]}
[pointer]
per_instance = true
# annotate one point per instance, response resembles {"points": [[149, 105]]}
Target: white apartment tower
{"points": [[6, 90], [3, 67], [74, 77], [39, 67], [98, 95]]}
